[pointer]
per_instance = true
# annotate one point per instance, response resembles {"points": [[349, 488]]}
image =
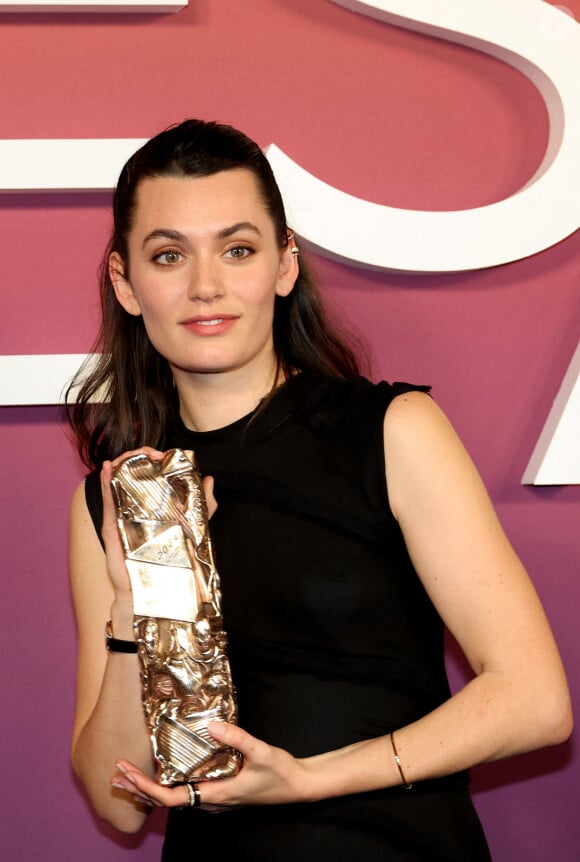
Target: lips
{"points": [[210, 324]]}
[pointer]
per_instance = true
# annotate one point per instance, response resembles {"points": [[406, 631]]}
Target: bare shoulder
{"points": [[92, 589], [422, 447], [79, 513], [83, 538], [454, 538], [414, 418]]}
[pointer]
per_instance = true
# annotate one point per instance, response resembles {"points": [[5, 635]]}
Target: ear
{"points": [[289, 270], [122, 286]]}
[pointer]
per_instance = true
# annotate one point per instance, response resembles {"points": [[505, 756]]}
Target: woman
{"points": [[351, 527]]}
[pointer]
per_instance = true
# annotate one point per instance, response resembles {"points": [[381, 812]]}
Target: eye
{"points": [[239, 252], [168, 258]]}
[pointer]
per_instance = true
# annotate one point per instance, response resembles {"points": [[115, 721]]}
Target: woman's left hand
{"points": [[269, 776]]}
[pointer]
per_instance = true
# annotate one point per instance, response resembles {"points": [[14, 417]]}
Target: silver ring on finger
{"points": [[193, 795]]}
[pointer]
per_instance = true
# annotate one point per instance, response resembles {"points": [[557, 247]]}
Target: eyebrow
{"points": [[164, 233], [241, 225], [177, 236]]}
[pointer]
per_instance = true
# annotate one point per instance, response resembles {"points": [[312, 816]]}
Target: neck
{"points": [[210, 401]]}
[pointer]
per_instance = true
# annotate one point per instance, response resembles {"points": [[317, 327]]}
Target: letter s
{"points": [[523, 34]]}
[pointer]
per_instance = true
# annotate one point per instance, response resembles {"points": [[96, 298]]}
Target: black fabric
{"points": [[331, 636]]}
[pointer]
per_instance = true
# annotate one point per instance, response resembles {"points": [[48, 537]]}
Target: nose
{"points": [[205, 283]]}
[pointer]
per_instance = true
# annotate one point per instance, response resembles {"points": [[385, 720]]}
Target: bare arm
{"points": [[109, 720], [518, 699]]}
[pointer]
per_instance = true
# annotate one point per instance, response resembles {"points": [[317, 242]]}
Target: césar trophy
{"points": [[182, 646]]}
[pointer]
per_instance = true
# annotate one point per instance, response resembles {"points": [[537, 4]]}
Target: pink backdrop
{"points": [[387, 115]]}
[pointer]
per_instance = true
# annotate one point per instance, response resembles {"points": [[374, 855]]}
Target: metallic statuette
{"points": [[185, 672]]}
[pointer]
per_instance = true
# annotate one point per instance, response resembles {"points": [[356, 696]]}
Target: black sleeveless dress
{"points": [[331, 636]]}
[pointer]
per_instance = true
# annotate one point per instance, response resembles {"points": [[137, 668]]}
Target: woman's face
{"points": [[204, 270]]}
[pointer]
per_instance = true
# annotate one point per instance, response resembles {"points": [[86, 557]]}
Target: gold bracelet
{"points": [[404, 782]]}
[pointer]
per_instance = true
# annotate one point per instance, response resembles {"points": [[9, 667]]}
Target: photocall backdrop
{"points": [[387, 115]]}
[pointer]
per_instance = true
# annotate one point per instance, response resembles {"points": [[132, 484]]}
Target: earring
{"points": [[294, 249]]}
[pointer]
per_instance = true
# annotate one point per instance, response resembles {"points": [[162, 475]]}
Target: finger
{"points": [[208, 486], [110, 534], [134, 781], [153, 454], [235, 737], [138, 797], [109, 512]]}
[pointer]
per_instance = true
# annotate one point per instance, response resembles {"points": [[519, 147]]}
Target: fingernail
{"points": [[118, 785], [215, 728]]}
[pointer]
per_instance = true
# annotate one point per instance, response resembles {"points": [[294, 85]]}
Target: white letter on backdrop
{"points": [[534, 37], [538, 40], [556, 457], [91, 6], [544, 44]]}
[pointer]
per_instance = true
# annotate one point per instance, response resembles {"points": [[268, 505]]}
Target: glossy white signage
{"points": [[556, 458], [520, 33], [92, 6], [37, 379], [61, 165], [543, 42]]}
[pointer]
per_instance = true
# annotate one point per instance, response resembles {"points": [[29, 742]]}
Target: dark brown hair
{"points": [[125, 398]]}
